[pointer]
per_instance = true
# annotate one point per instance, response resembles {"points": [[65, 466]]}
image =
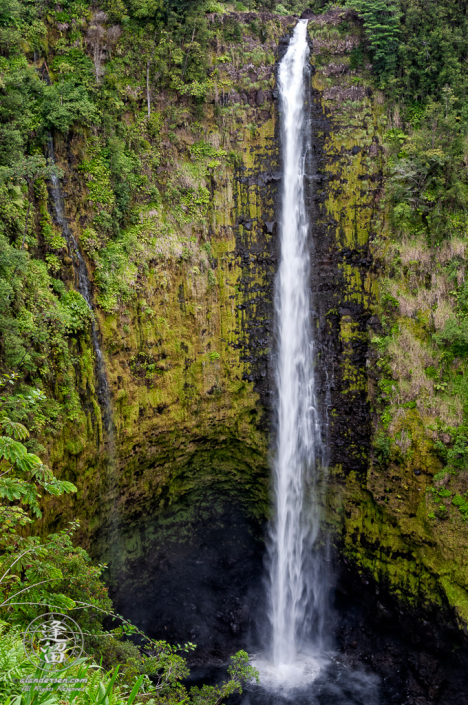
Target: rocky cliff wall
{"points": [[387, 478], [398, 602], [176, 497]]}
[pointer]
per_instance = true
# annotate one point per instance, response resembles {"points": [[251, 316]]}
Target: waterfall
{"points": [[297, 602], [84, 288]]}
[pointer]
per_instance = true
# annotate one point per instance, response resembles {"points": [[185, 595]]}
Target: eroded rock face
{"points": [[188, 495], [216, 455], [394, 611], [343, 178], [178, 505]]}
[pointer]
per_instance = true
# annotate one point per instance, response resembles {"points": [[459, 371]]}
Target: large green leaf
{"points": [[15, 429]]}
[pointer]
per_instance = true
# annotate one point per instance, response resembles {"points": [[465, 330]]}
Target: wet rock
{"points": [[353, 93], [213, 566]]}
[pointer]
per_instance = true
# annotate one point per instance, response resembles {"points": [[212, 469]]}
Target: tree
{"points": [[52, 574], [382, 25], [29, 170], [65, 104]]}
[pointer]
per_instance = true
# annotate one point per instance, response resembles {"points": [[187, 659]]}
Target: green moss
{"points": [[412, 542], [186, 419]]}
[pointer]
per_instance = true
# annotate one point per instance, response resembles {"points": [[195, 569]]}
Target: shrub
{"points": [[454, 336], [77, 311]]}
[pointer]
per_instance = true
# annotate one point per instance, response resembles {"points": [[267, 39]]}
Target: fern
{"points": [[13, 662]]}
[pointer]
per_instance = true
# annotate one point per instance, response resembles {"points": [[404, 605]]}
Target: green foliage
{"points": [[433, 46], [239, 672], [98, 687], [117, 269], [77, 312], [381, 342], [382, 25], [22, 474], [40, 575], [74, 66], [98, 181], [417, 48], [428, 184], [454, 335], [214, 6], [357, 57], [146, 9], [35, 573], [30, 169], [462, 504], [232, 30], [457, 455], [66, 104], [34, 323], [203, 149], [383, 446]]}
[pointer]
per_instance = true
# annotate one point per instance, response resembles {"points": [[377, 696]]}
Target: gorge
{"points": [[235, 321]]}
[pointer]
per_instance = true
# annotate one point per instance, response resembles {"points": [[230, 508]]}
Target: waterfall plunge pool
{"points": [[312, 680]]}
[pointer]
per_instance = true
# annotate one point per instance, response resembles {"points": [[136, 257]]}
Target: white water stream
{"points": [[297, 594]]}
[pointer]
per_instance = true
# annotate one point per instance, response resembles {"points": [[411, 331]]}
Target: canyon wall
{"points": [[175, 496]]}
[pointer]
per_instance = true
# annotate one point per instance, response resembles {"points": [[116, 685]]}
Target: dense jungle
{"points": [[141, 176]]}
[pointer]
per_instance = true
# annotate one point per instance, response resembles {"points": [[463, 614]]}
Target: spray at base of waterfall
{"points": [[286, 677]]}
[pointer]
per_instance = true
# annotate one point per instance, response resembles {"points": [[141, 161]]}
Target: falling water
{"points": [[296, 588], [84, 288]]}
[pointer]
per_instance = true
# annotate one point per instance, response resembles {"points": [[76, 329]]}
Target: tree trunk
{"points": [[148, 99], [190, 46], [27, 218]]}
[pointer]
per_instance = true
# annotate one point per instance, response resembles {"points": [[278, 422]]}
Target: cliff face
{"points": [[404, 567], [174, 493], [399, 534], [395, 402]]}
